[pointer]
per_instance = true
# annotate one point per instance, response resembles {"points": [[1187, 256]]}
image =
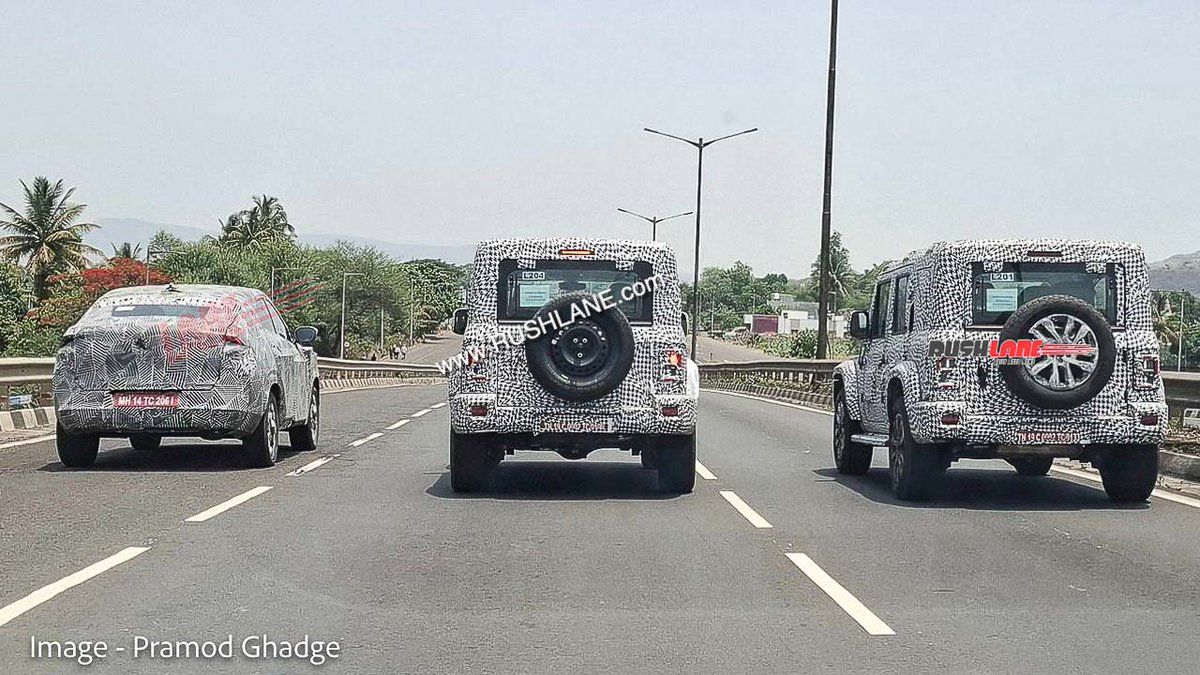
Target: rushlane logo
{"points": [[541, 324], [1009, 351]]}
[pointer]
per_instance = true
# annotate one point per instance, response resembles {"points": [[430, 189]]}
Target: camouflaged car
{"points": [[572, 345], [1021, 349], [185, 360]]}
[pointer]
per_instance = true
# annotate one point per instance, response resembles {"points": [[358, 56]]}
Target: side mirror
{"points": [[860, 325], [460, 321], [685, 321], [305, 336]]}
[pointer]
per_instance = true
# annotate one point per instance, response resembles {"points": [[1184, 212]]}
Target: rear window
{"points": [[167, 311], [526, 285], [997, 293]]}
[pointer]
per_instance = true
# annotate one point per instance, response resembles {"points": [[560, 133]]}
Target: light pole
{"points": [[654, 221], [342, 342], [150, 250], [273, 271], [700, 144], [1179, 357], [823, 280]]}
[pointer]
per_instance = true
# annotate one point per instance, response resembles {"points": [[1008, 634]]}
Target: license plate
{"points": [[1032, 437], [578, 425], [145, 400]]}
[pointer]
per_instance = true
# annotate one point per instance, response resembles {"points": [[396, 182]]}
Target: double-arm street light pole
{"points": [[700, 144], [823, 285], [342, 342], [653, 220]]}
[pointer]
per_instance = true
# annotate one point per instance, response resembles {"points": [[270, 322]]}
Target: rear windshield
{"points": [[167, 311], [526, 285], [997, 293]]}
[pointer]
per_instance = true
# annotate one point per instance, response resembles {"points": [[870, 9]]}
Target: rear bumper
{"points": [[525, 420], [928, 427], [199, 413]]}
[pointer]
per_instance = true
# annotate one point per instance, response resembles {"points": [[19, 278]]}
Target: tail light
{"points": [[1149, 419], [951, 419], [671, 369], [231, 339], [670, 411], [478, 410]]}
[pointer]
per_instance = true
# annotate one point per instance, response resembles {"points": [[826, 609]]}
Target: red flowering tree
{"points": [[71, 294]]}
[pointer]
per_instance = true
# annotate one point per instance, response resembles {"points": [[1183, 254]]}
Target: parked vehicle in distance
{"points": [[616, 377], [185, 360], [735, 333], [1021, 349]]}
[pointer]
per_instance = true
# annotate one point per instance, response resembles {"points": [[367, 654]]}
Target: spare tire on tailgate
{"points": [[585, 359], [1068, 376]]}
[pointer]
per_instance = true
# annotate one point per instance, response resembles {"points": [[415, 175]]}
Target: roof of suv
{"points": [[1019, 248], [546, 248], [191, 293]]}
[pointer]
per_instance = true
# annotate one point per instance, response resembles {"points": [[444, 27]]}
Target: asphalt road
{"points": [[712, 350], [580, 566]]}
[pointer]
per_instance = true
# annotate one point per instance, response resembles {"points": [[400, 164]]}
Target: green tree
{"points": [[46, 237], [127, 250], [264, 222], [841, 275]]}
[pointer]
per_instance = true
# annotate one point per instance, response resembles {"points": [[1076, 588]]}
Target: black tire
{"points": [[145, 442], [913, 468], [1031, 466], [1129, 472], [305, 437], [1029, 389], [261, 447], [468, 461], [853, 459], [604, 342], [676, 462], [76, 450]]}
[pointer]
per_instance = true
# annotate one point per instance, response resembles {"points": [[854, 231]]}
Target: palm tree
{"points": [[264, 222], [127, 250], [841, 274], [46, 237]]}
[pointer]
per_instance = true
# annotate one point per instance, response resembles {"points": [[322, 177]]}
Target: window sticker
{"points": [[533, 276], [534, 295], [1001, 299]]}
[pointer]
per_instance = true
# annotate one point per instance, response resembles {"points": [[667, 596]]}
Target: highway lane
{"points": [[582, 566]]}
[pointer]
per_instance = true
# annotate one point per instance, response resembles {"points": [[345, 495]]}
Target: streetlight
{"points": [[823, 278], [700, 144], [150, 250], [654, 221], [342, 342], [273, 271]]}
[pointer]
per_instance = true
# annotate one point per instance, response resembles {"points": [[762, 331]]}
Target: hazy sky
{"points": [[446, 122]]}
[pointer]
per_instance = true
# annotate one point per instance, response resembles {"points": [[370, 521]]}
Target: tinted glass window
{"points": [[996, 294], [883, 297], [527, 285], [900, 306]]}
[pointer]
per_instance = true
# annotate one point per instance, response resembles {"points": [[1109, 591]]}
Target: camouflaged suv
{"points": [[571, 345], [1022, 349]]}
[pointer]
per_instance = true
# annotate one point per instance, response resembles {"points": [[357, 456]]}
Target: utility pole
{"points": [[381, 347], [1179, 358], [823, 282], [700, 144]]}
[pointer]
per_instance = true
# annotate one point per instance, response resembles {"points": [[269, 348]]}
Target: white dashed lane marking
{"points": [[399, 424], [849, 604], [228, 504], [435, 406], [744, 509], [10, 612], [422, 412], [314, 464], [355, 444], [704, 472]]}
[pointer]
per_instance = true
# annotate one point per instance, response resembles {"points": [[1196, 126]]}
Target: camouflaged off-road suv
{"points": [[1022, 349], [572, 345]]}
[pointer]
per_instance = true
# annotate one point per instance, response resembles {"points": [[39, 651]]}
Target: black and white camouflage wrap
{"points": [[222, 387], [940, 301], [518, 404]]}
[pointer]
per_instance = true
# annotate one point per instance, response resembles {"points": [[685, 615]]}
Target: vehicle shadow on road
{"points": [[182, 458], [560, 480], [988, 490]]}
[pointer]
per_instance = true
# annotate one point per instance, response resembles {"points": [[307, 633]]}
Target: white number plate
{"points": [[1032, 437], [578, 425]]}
